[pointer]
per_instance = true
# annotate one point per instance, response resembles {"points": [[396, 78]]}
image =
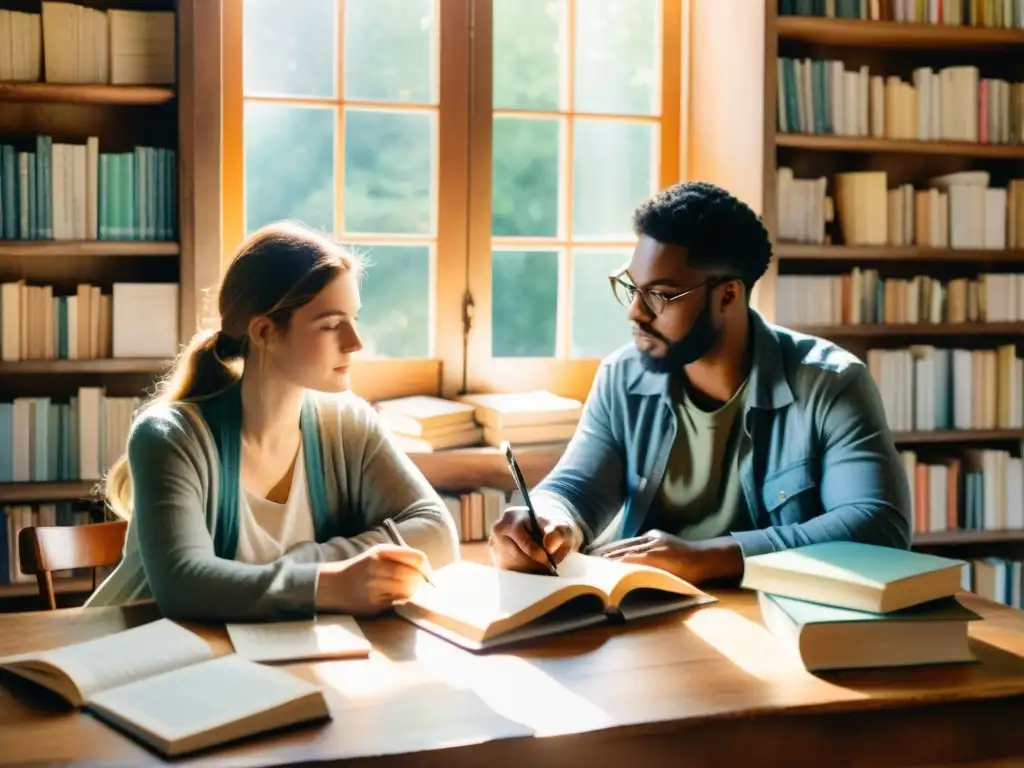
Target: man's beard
{"points": [[698, 341]]}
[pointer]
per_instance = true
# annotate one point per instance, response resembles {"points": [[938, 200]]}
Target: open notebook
{"points": [[325, 637], [478, 607], [161, 684]]}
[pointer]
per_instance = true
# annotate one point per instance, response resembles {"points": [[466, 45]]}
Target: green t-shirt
{"points": [[700, 496]]}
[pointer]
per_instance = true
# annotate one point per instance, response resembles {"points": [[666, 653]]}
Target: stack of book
{"points": [[525, 418], [423, 424], [844, 605]]}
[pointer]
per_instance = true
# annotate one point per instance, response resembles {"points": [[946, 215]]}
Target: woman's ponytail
{"points": [[207, 366]]}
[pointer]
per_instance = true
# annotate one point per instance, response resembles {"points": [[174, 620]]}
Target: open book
{"points": [[478, 607], [161, 684]]}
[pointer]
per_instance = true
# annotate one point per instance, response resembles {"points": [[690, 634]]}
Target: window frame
{"points": [[381, 378], [570, 377], [461, 271]]}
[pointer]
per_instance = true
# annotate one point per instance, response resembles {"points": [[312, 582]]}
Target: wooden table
{"points": [[707, 687]]}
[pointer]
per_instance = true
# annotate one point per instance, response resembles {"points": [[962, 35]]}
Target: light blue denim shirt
{"points": [[817, 461]]}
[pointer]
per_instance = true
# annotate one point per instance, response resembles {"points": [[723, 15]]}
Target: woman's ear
{"points": [[261, 332]]}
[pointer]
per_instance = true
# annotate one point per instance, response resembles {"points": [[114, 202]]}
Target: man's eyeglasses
{"points": [[655, 301]]}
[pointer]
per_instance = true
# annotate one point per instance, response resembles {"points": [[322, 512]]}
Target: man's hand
{"points": [[694, 562], [513, 548]]}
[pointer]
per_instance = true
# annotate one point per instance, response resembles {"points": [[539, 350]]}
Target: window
{"points": [[491, 149]]}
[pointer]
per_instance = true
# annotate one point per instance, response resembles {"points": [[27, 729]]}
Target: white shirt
{"points": [[267, 529]]}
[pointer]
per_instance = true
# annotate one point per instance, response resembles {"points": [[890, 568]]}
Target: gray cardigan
{"points": [[171, 549]]}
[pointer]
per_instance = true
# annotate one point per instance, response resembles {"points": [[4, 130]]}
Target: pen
{"points": [[396, 538], [517, 475]]}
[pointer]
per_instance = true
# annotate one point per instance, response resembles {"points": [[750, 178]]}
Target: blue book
{"points": [[823, 637], [847, 574]]}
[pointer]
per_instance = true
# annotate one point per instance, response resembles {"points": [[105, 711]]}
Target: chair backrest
{"points": [[44, 549]]}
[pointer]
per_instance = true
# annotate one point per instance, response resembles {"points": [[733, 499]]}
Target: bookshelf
{"points": [[738, 139], [182, 116]]}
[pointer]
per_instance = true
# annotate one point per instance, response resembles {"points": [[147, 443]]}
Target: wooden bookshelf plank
{"points": [[102, 365], [485, 466], [62, 586], [30, 493], [855, 253], [35, 249], [937, 437], [957, 538], [911, 329], [830, 143], [85, 93], [893, 34]]}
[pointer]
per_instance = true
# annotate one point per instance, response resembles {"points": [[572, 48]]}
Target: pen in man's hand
{"points": [[517, 475], [396, 538]]}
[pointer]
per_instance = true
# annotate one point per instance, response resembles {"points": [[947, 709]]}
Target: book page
{"points": [[480, 595], [189, 701], [325, 637], [133, 654]]}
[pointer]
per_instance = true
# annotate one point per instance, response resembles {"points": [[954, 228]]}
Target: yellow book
{"points": [[480, 607]]}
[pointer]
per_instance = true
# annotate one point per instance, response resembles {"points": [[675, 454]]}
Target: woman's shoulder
{"points": [[345, 407], [165, 424]]}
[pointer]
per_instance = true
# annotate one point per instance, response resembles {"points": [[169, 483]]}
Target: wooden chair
{"points": [[45, 549]]}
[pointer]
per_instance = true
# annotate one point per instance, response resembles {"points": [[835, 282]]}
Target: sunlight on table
{"points": [[743, 642], [513, 687]]}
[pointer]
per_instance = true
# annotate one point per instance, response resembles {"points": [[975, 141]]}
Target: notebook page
{"points": [[133, 654], [194, 699], [479, 595], [326, 637]]}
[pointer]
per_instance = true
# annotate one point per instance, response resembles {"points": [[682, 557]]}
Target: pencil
{"points": [[396, 538]]}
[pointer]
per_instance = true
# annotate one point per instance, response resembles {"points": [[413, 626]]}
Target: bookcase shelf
{"points": [[955, 436], [37, 249], [888, 35], [61, 586], [896, 253], [31, 493], [100, 365], [910, 330], [958, 538], [75, 93], [869, 144]]}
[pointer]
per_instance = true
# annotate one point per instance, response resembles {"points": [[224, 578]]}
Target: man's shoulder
{"points": [[812, 362]]}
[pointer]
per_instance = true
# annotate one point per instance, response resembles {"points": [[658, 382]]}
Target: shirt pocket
{"points": [[790, 495]]}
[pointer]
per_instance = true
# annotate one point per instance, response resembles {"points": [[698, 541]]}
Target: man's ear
{"points": [[732, 293]]}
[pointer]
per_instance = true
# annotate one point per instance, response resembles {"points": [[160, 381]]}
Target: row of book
{"points": [[75, 192], [45, 441], [1005, 14], [35, 324], [423, 424], [979, 489], [75, 44], [958, 210], [476, 512], [863, 296], [15, 517], [925, 388], [955, 103]]}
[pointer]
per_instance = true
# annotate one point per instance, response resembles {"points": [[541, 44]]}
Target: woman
{"points": [[256, 483]]}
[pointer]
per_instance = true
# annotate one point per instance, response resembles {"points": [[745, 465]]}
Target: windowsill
{"points": [[460, 469]]}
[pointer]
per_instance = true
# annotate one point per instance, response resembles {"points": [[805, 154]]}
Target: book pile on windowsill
{"points": [[525, 418], [844, 605], [423, 424]]}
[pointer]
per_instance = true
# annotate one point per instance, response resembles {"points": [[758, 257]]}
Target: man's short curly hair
{"points": [[718, 230]]}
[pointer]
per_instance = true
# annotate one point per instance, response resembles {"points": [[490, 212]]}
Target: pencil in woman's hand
{"points": [[396, 538]]}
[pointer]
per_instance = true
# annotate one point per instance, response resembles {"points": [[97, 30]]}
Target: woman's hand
{"points": [[371, 581]]}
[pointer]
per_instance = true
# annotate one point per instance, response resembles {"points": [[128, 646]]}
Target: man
{"points": [[716, 435]]}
